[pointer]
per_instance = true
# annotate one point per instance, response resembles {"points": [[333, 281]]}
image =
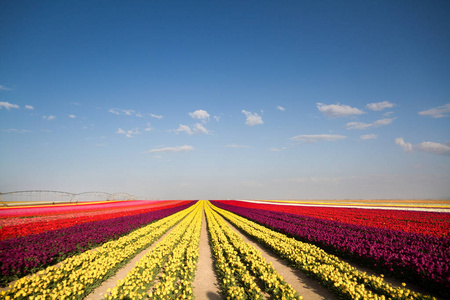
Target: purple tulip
{"points": [[24, 255], [423, 259]]}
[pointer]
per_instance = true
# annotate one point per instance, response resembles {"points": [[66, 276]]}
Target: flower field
{"points": [[421, 258], [68, 251]]}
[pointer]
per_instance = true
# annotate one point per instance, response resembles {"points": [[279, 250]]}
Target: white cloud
{"points": [[128, 133], [252, 118], [277, 149], [184, 128], [30, 107], [362, 125], [437, 112], [368, 136], [156, 116], [72, 116], [199, 128], [317, 138], [338, 110], [4, 88], [237, 146], [383, 122], [357, 125], [132, 112], [200, 114], [432, 147], [126, 112], [114, 111], [281, 108], [8, 105], [217, 118], [406, 146], [15, 130], [380, 105], [129, 112], [49, 118], [149, 127], [196, 129], [171, 149]]}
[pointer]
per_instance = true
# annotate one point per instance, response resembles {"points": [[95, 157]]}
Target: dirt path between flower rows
{"points": [[308, 288], [99, 292], [206, 285]]}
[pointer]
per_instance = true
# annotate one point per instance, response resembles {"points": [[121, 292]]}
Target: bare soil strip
{"points": [[99, 292], [308, 288], [205, 285]]}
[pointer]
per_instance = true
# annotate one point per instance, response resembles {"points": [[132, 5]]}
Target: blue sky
{"points": [[231, 99]]}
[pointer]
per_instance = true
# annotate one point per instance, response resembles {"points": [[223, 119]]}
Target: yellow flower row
{"points": [[77, 276], [234, 277], [341, 277], [239, 264], [175, 258]]}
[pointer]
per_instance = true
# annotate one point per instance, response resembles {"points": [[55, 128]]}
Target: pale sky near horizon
{"points": [[226, 99]]}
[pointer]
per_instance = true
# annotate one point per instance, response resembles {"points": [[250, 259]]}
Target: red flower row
{"points": [[69, 208], [43, 224], [430, 223]]}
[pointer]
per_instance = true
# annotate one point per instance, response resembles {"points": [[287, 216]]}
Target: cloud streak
{"points": [[362, 125], [15, 130], [368, 136], [196, 129], [317, 138], [377, 106], [156, 116], [237, 146], [8, 105], [437, 112], [49, 118], [128, 133], [338, 110], [184, 148]]}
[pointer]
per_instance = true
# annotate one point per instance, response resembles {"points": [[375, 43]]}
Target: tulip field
{"points": [[68, 251]]}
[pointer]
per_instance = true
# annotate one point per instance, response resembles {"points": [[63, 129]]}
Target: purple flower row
{"points": [[420, 258], [23, 255]]}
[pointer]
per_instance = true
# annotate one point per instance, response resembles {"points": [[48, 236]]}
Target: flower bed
{"points": [[239, 265], [430, 223], [19, 226], [28, 254], [338, 276], [77, 276], [419, 258], [177, 254], [67, 208]]}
